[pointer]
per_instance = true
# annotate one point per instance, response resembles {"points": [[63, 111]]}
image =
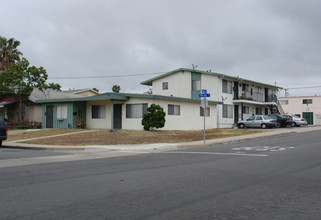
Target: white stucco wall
{"points": [[189, 118], [179, 85], [98, 123]]}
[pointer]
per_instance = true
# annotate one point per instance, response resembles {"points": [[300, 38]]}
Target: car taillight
{"points": [[6, 129], [302, 119], [287, 119]]}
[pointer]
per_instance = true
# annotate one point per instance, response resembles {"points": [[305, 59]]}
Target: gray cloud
{"points": [[267, 41]]}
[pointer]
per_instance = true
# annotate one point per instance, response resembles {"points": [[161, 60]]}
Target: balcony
{"points": [[255, 98], [251, 96]]}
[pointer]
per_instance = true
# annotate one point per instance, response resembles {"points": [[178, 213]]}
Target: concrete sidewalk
{"points": [[159, 146]]}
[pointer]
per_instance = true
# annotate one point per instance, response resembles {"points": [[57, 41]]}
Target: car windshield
{"points": [[272, 116], [266, 117]]}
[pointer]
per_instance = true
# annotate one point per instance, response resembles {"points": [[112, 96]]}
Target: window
{"points": [[174, 109], [98, 111], [165, 85], [62, 111], [251, 118], [258, 111], [246, 110], [284, 102], [227, 111], [226, 86], [207, 112], [259, 118], [196, 85], [136, 110], [258, 89], [307, 101], [245, 87]]}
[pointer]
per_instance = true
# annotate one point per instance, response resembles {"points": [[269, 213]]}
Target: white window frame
{"points": [[284, 102], [196, 85], [246, 110], [101, 111], [136, 110], [227, 111], [174, 109], [307, 101], [61, 111], [226, 86], [165, 85], [207, 112]]}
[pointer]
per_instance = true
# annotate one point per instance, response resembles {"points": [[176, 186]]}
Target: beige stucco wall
{"points": [[296, 106], [179, 85]]}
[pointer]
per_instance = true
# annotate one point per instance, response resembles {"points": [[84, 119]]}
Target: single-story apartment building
{"points": [[125, 111]]}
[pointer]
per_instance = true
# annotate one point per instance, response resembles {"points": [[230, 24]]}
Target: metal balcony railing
{"points": [[252, 96]]}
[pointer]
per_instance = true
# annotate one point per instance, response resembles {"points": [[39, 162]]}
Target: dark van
{"points": [[3, 131]]}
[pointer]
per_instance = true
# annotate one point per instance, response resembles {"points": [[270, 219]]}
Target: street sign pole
{"points": [[204, 104], [204, 121]]}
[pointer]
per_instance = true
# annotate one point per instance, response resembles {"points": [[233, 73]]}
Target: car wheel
{"points": [[278, 125], [263, 126], [241, 125], [293, 124]]}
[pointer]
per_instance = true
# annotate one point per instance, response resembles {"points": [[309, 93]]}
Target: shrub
{"points": [[154, 118]]}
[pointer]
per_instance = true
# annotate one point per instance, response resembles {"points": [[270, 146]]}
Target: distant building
{"points": [[308, 107]]}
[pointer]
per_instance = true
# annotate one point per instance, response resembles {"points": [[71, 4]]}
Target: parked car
{"points": [[297, 121], [281, 120], [3, 131], [289, 120], [258, 121]]}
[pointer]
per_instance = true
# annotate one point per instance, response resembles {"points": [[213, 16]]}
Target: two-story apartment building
{"points": [[177, 92], [241, 97]]}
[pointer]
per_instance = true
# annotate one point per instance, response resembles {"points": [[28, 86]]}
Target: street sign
{"points": [[204, 91], [204, 95], [204, 103]]}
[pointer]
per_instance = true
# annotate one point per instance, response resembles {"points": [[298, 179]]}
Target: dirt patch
{"points": [[105, 137], [39, 133]]}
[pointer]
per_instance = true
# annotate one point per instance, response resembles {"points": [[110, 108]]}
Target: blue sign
{"points": [[204, 95], [204, 91]]}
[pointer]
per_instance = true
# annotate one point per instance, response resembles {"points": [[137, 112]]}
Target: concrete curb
{"points": [[160, 146]]}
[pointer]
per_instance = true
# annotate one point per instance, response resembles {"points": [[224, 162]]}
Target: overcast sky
{"points": [[267, 41]]}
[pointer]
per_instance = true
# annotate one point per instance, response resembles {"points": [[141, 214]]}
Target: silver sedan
{"points": [[257, 121]]}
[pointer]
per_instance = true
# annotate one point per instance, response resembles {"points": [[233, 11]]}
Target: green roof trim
{"points": [[149, 81], [122, 97]]}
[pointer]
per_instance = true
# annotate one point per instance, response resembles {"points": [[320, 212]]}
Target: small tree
{"points": [[116, 88], [95, 89], [21, 79], [54, 86], [155, 117]]}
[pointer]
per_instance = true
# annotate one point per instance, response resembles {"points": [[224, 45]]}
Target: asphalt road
{"points": [[10, 153], [268, 178]]}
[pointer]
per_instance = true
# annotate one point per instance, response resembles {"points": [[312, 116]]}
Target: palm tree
{"points": [[8, 52]]}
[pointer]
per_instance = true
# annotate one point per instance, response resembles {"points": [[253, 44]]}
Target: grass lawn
{"points": [[105, 137]]}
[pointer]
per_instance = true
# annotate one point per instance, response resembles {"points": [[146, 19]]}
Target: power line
{"points": [[305, 87], [96, 77]]}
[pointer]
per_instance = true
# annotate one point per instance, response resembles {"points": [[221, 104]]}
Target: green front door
{"points": [[308, 116]]}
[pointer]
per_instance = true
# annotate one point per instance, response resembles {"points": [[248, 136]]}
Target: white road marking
{"points": [[216, 153], [262, 148]]}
